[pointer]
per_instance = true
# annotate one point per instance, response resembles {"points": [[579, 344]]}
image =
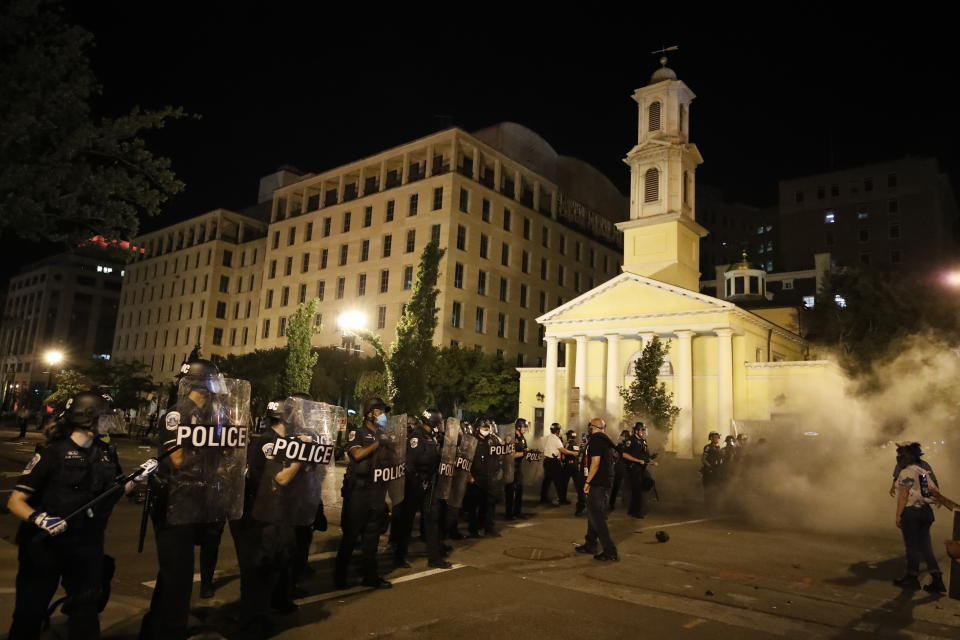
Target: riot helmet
{"points": [[85, 408], [521, 424], [203, 376], [571, 434], [624, 434], [555, 428], [730, 440], [433, 417], [375, 403], [639, 426], [275, 408]]}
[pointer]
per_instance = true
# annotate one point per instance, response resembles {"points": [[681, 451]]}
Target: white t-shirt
{"points": [[551, 447], [910, 478]]}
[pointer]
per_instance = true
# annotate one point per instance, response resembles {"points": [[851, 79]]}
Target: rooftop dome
{"points": [[663, 73]]}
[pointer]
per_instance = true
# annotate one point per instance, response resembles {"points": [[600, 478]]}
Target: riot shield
{"points": [[507, 434], [466, 448], [210, 424], [111, 423], [307, 442], [390, 458], [448, 459]]}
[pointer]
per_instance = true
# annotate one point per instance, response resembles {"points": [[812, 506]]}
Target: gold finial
{"points": [[744, 262], [663, 61]]}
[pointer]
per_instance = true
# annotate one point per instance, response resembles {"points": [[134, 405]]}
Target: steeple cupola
{"points": [[742, 281]]}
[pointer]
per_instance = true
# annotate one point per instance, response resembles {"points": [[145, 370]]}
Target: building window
{"points": [[543, 302], [686, 185], [523, 295], [484, 245], [437, 198], [227, 260], [224, 284], [504, 284], [323, 258], [408, 277], [653, 116], [891, 180], [276, 239], [464, 199], [893, 206], [384, 280], [269, 301], [563, 245], [458, 276], [864, 258], [341, 285], [506, 219], [282, 329], [364, 251], [305, 263], [895, 256], [461, 237], [390, 208], [222, 310], [478, 321], [291, 236], [272, 273], [543, 268], [367, 216], [829, 217], [318, 320], [411, 240], [525, 262], [344, 249], [787, 285], [302, 294], [414, 203], [821, 193], [455, 316], [288, 266], [308, 232], [576, 281], [894, 231], [381, 317], [217, 336], [266, 328], [561, 275], [545, 236], [435, 234], [321, 289], [522, 330], [505, 254], [346, 222], [326, 227], [862, 213], [829, 239], [864, 235], [285, 296], [651, 185], [387, 245], [526, 228], [868, 184], [485, 210], [362, 284], [482, 283], [501, 325]]}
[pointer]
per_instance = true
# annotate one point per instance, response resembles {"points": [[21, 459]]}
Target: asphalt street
{"points": [[716, 577]]}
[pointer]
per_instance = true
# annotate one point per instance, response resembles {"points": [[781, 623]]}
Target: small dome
{"points": [[661, 74]]}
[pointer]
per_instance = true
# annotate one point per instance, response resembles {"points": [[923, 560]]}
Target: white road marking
{"points": [[333, 595], [521, 525], [678, 524]]}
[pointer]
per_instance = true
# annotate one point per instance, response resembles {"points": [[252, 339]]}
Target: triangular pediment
{"points": [[630, 294]]}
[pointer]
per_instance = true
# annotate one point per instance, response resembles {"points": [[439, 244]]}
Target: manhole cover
{"points": [[535, 553]]}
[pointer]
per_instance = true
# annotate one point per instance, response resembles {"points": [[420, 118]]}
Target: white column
{"points": [[580, 377], [684, 391], [550, 384], [724, 380], [614, 378]]}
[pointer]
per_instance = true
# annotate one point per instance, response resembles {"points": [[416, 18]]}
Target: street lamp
{"points": [[52, 358], [952, 278], [351, 322]]}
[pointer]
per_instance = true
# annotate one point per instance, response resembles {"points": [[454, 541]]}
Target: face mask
{"points": [[382, 420], [484, 432]]}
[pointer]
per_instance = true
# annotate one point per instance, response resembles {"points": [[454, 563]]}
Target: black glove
{"points": [[320, 519]]}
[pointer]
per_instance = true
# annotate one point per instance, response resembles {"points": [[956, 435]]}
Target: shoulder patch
{"points": [[906, 482], [172, 420], [413, 443], [30, 465], [352, 436], [268, 450]]}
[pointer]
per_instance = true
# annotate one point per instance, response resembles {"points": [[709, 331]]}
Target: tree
{"points": [[476, 382], [298, 369], [69, 383], [125, 381], [408, 360], [262, 368], [646, 399], [65, 175]]}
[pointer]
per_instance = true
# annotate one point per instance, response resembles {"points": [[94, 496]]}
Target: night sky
{"points": [[278, 85]]}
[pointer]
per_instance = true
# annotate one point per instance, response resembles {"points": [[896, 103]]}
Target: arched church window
{"points": [[686, 183], [651, 185], [653, 116], [666, 369], [738, 285]]}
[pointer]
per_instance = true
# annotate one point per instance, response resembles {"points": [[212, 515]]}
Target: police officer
{"points": [[73, 468], [486, 464], [300, 568], [513, 491], [364, 501], [423, 462], [571, 470], [711, 469], [619, 469], [189, 483], [638, 459], [553, 467]]}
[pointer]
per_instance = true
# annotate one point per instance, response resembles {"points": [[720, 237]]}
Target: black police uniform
{"points": [[60, 479], [513, 492], [423, 461], [637, 474], [264, 548], [711, 468], [482, 491], [618, 473], [170, 605], [571, 471], [365, 508]]}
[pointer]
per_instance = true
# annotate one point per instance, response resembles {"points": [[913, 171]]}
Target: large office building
{"points": [[66, 303], [896, 215], [524, 230]]}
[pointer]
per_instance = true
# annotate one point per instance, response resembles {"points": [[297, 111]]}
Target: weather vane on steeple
{"points": [[663, 59]]}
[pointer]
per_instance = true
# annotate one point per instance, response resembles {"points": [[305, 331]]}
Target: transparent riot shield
{"points": [[111, 423], [507, 434], [466, 448], [292, 481], [448, 459], [210, 426], [389, 460]]}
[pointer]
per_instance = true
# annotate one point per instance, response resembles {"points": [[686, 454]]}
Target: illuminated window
{"points": [[829, 217]]}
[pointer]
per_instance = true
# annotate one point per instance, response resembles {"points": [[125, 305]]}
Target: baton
{"points": [[144, 518], [118, 486]]}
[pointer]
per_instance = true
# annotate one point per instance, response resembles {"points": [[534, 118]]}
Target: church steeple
{"points": [[662, 237]]}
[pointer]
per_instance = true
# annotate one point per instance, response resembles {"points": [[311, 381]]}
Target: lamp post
{"points": [[349, 323], [52, 358]]}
